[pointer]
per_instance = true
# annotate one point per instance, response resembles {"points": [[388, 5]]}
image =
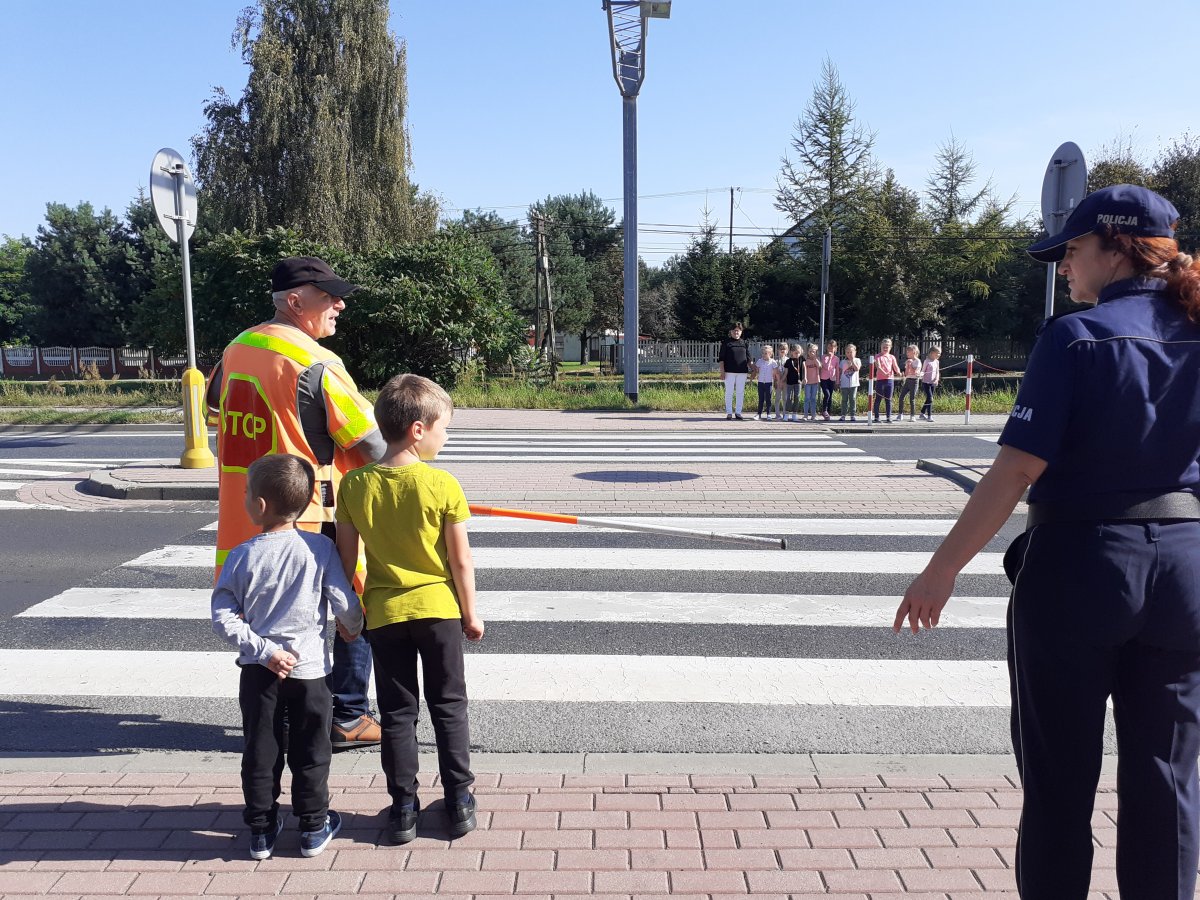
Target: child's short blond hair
{"points": [[407, 399], [851, 347], [913, 347], [937, 350], [284, 481]]}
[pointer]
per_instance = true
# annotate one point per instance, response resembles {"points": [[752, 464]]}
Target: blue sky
{"points": [[513, 100]]}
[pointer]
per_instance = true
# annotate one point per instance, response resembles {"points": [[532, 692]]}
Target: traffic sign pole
{"points": [[1062, 188], [175, 206]]}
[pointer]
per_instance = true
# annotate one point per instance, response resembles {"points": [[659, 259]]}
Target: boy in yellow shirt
{"points": [[419, 599]]}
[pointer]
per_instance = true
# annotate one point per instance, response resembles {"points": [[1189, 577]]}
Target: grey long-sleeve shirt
{"points": [[275, 592]]}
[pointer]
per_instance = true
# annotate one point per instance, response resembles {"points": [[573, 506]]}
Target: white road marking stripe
{"points": [[554, 678], [12, 485], [568, 606], [639, 450], [717, 559], [738, 525], [66, 461], [17, 504], [990, 438], [634, 458], [9, 471]]}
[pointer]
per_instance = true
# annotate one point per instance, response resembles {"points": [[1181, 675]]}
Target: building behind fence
{"points": [[73, 362], [700, 357]]}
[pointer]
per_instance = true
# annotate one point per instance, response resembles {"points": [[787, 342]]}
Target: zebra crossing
{"points": [[597, 640], [18, 471], [743, 442]]}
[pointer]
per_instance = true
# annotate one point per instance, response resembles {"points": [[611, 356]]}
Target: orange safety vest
{"points": [[259, 376]]}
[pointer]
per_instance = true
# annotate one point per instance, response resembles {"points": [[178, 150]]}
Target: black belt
{"points": [[1178, 505]]}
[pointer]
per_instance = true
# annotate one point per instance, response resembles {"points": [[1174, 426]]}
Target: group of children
{"points": [[273, 599], [780, 380]]}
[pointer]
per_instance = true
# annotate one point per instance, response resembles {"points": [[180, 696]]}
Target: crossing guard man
{"points": [[276, 390], [1106, 591]]}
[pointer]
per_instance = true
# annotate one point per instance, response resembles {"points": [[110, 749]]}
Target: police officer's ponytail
{"points": [[1161, 257]]}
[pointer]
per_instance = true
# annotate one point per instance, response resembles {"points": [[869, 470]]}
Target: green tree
{"points": [[1177, 177], [1117, 163], [16, 306], [833, 163], [582, 226], [318, 140], [950, 187], [428, 308], [81, 277], [714, 288], [656, 300], [512, 250]]}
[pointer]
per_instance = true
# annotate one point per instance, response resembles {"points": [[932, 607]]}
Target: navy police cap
{"points": [[1127, 208]]}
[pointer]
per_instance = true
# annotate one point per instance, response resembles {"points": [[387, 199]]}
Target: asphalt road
{"points": [[145, 442], [47, 551]]}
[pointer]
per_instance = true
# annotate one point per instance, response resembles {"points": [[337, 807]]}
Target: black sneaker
{"points": [[263, 845], [462, 816], [402, 828], [313, 842], [739, 418], [729, 418]]}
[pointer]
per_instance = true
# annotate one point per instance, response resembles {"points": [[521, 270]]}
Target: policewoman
{"points": [[1105, 604]]}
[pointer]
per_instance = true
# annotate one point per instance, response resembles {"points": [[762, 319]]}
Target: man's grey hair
{"points": [[281, 296]]}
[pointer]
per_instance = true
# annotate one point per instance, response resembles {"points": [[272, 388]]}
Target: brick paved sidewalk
{"points": [[155, 834]]}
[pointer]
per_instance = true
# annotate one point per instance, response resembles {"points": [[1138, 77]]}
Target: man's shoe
{"points": [[462, 816], [363, 732], [739, 417], [263, 845], [729, 417], [313, 842], [402, 828]]}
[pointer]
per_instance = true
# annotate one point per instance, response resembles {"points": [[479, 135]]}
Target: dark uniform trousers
{"points": [[268, 702], [396, 648], [1100, 611]]}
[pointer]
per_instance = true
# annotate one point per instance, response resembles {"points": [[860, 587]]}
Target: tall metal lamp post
{"points": [[627, 34]]}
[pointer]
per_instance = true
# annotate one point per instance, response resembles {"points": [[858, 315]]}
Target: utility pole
{"points": [[627, 40], [731, 220], [542, 279]]}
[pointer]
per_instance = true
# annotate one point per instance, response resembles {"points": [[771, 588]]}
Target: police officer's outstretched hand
{"points": [[923, 601]]}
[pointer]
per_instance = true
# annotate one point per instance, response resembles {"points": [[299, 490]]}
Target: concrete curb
{"points": [[105, 484], [965, 477]]}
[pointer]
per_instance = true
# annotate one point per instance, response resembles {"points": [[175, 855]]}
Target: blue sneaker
{"points": [[263, 845], [313, 842]]}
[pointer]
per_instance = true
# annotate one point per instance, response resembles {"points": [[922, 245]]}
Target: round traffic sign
{"points": [[1063, 187], [173, 193]]}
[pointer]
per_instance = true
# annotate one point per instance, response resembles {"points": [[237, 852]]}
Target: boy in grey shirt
{"points": [[272, 602]]}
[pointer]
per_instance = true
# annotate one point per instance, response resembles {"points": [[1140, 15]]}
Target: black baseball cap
{"points": [[1126, 208], [298, 270]]}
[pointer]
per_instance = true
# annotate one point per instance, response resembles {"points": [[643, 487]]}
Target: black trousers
{"points": [[908, 389], [883, 394], [828, 386], [1100, 611], [265, 699], [396, 649], [764, 398], [927, 392]]}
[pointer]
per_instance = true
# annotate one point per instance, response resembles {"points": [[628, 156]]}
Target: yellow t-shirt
{"points": [[400, 512]]}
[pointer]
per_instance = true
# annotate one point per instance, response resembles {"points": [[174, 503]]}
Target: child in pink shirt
{"points": [[830, 373], [887, 367], [812, 383]]}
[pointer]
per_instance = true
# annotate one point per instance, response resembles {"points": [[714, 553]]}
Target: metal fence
{"points": [[700, 357], [72, 362]]}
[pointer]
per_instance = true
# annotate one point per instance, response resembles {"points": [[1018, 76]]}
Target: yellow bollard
{"points": [[196, 454]]}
